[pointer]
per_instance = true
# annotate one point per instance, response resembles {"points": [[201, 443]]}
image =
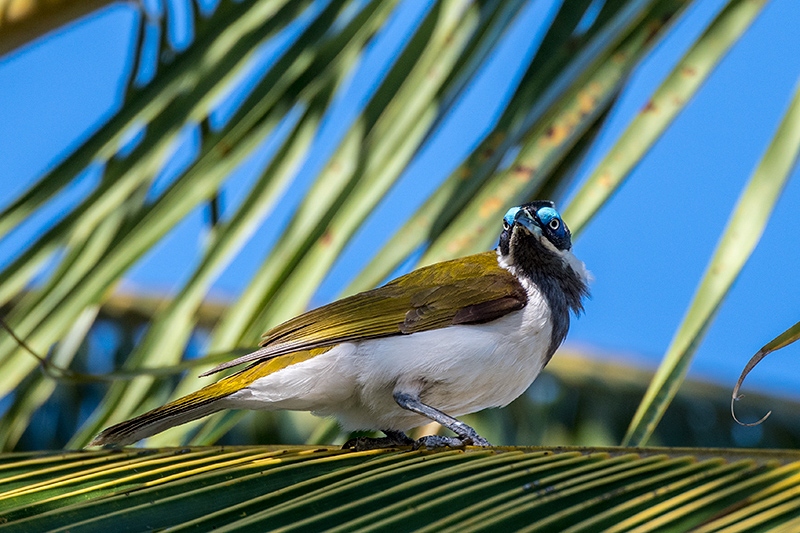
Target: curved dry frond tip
{"points": [[784, 339], [741, 235]]}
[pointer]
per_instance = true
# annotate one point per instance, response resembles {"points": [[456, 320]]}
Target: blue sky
{"points": [[647, 249]]}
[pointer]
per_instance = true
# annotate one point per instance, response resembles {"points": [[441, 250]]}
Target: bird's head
{"points": [[538, 224], [536, 240]]}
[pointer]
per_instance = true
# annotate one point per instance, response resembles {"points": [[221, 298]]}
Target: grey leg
{"points": [[466, 435], [391, 440]]}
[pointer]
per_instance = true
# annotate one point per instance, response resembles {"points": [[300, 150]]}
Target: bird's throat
{"points": [[552, 275]]}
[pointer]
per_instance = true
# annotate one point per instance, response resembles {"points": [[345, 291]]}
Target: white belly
{"points": [[459, 370]]}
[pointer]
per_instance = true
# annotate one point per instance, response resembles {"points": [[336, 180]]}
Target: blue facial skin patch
{"points": [[510, 214], [546, 214]]}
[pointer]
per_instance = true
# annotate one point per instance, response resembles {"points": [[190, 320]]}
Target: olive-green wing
{"points": [[468, 290]]}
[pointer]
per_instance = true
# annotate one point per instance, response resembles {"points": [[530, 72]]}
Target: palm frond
{"points": [[313, 488], [218, 96]]}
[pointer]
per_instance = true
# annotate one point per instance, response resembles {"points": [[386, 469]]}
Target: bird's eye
{"points": [[505, 225], [554, 224]]}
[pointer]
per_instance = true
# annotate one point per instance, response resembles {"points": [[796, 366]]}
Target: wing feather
{"points": [[472, 289]]}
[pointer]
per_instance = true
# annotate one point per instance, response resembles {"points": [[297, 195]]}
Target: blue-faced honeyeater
{"points": [[445, 340]]}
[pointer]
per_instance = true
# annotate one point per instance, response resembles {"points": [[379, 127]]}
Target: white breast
{"points": [[459, 369]]}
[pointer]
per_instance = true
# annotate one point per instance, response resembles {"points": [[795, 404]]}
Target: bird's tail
{"points": [[191, 407], [204, 402]]}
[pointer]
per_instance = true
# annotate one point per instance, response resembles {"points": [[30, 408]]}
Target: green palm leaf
{"points": [[312, 488]]}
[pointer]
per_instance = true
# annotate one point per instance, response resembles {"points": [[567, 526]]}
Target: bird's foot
{"points": [[437, 441], [392, 440], [466, 436]]}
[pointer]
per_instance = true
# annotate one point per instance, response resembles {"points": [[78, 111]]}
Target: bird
{"points": [[442, 341]]}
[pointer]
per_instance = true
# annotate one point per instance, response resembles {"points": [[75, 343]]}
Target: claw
{"points": [[479, 441]]}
